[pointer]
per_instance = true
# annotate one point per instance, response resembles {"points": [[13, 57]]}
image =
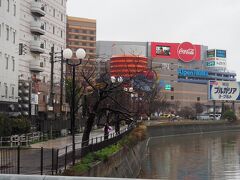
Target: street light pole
{"points": [[67, 54]]}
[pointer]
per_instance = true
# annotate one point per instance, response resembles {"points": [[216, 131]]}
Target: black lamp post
{"points": [[67, 54]]}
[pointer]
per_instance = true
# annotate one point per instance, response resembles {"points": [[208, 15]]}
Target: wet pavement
{"points": [[62, 142]]}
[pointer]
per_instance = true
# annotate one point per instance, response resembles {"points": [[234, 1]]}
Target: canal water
{"points": [[214, 156]]}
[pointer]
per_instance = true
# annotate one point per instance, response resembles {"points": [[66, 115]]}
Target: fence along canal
{"points": [[26, 160]]}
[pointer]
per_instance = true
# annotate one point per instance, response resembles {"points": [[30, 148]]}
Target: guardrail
{"points": [[21, 140], [37, 177]]}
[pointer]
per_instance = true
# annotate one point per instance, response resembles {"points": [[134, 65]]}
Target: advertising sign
{"points": [[210, 63], [224, 90], [185, 51], [220, 53], [34, 98], [211, 53], [192, 73]]}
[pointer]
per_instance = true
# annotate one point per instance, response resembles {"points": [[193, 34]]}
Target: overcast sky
{"points": [[214, 23]]}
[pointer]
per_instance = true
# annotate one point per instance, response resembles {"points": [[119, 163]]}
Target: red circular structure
{"points": [[186, 51], [127, 65]]}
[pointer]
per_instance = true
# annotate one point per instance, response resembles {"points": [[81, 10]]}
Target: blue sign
{"points": [[221, 53], [192, 73]]}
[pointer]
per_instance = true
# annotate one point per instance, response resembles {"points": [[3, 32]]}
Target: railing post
{"points": [[41, 161], [52, 160], [57, 161], [18, 160], [65, 158]]}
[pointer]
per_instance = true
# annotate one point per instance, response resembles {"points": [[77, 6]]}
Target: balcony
{"points": [[38, 8], [37, 27], [36, 66], [36, 46]]}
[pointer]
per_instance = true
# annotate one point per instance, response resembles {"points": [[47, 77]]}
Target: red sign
{"points": [[185, 52]]}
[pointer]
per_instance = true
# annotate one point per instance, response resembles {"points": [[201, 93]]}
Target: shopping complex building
{"points": [[183, 69]]}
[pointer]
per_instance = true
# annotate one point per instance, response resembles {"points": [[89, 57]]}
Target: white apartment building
{"points": [[42, 25], [9, 33]]}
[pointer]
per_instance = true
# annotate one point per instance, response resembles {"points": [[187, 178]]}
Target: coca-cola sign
{"points": [[186, 52]]}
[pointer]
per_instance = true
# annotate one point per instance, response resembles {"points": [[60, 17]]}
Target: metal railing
{"points": [[21, 140], [43, 161]]}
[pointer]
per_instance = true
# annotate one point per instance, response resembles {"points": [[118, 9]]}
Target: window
{"points": [[12, 92], [13, 64], [7, 37], [61, 17], [53, 30], [6, 91], [14, 37], [172, 88], [0, 28], [0, 3], [198, 98], [54, 12], [14, 9], [6, 62], [8, 6], [61, 33], [172, 97]]}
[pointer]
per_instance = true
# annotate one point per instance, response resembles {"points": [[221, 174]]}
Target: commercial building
{"points": [[183, 69], [42, 26], [9, 33]]}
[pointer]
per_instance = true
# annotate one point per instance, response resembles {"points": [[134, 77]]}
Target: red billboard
{"points": [[185, 51]]}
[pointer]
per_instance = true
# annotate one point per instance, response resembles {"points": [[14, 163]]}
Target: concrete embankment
{"points": [[123, 164], [155, 129]]}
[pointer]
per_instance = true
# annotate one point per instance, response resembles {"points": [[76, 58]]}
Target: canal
{"points": [[206, 156]]}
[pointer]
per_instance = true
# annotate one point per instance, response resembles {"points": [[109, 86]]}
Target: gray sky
{"points": [[214, 23]]}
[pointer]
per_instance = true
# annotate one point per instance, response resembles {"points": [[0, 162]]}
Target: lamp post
{"points": [[67, 54]]}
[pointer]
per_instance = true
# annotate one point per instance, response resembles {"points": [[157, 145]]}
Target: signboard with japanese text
{"points": [[224, 90], [220, 53], [211, 53]]}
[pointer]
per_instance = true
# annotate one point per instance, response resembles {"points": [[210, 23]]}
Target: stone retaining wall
{"points": [[123, 164]]}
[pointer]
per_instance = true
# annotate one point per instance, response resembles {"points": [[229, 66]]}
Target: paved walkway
{"points": [[64, 141]]}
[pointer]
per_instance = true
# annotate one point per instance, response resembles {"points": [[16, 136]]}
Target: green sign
{"points": [[167, 86], [211, 63]]}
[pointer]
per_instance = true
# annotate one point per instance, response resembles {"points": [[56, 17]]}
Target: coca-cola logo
{"points": [[186, 51]]}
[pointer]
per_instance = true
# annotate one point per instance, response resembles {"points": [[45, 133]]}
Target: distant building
{"points": [[183, 69], [81, 33]]}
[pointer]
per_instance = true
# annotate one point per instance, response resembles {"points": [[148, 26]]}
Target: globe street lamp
{"points": [[67, 54]]}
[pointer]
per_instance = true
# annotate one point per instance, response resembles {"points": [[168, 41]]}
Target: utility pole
{"points": [[61, 85], [51, 90]]}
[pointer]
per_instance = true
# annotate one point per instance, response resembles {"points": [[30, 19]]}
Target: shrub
{"points": [[10, 126], [138, 134], [230, 116]]}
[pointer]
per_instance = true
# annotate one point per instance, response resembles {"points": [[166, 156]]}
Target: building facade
{"points": [[9, 33], [81, 33], [183, 69], [42, 27]]}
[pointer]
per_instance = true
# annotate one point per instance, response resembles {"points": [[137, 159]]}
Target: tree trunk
{"points": [[88, 129]]}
